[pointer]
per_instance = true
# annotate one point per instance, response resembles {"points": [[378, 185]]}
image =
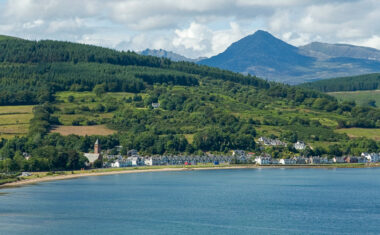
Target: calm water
{"points": [[269, 201]]}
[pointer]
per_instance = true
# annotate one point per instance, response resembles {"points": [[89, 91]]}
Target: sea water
{"points": [[246, 201]]}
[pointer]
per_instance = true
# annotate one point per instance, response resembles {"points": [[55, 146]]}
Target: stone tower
{"points": [[97, 147]]}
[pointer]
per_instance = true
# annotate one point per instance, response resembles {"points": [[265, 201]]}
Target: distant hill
{"points": [[326, 50], [266, 56], [5, 37], [354, 83], [167, 54]]}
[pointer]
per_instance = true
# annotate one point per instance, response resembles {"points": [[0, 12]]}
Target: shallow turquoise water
{"points": [[252, 201]]}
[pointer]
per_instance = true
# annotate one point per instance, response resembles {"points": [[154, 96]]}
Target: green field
{"points": [[76, 110], [360, 97], [14, 120], [361, 132]]}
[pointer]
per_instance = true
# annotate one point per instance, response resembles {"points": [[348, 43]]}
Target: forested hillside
{"points": [[202, 109], [354, 83]]}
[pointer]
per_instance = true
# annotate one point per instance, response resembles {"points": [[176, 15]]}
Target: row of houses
{"points": [[120, 161], [364, 158], [238, 156]]}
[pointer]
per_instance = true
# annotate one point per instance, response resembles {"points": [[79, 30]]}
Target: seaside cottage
{"points": [[134, 161], [323, 160], [287, 161], [263, 160], [338, 160], [148, 161], [237, 153], [371, 157]]}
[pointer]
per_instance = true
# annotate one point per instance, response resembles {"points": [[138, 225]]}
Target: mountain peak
{"points": [[261, 36], [166, 54], [262, 33], [256, 52]]}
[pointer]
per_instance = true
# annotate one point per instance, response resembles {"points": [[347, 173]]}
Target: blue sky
{"points": [[192, 28]]}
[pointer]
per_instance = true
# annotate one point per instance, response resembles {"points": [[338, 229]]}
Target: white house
{"points": [[238, 153], [338, 160], [115, 164], [300, 145], [119, 163], [134, 161], [260, 160], [287, 161], [371, 157], [155, 105]]}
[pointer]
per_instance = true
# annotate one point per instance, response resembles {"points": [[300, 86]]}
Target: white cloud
{"points": [[196, 37], [193, 28], [374, 42], [33, 24]]}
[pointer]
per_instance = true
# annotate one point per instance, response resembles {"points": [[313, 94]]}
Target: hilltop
{"points": [[201, 109], [353, 83], [266, 56], [363, 89], [167, 54], [326, 50]]}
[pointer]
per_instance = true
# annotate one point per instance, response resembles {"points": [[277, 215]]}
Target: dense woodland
{"points": [[221, 110], [354, 83]]}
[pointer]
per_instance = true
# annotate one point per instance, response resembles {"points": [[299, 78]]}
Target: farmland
{"points": [[14, 120], [360, 97], [82, 130], [361, 132]]}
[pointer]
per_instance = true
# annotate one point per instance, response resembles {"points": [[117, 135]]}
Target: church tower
{"points": [[97, 147]]}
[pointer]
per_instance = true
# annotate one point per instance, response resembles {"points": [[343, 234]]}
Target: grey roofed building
{"points": [[92, 157], [155, 105]]}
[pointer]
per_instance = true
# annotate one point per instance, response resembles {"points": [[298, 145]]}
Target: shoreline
{"points": [[114, 171]]}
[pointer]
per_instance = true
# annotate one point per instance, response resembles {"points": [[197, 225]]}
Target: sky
{"points": [[194, 28]]}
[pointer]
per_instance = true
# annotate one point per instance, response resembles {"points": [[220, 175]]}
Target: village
{"points": [[133, 158]]}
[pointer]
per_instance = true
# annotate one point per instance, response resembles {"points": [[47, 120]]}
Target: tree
{"points": [[99, 89], [98, 163], [70, 98], [372, 103]]}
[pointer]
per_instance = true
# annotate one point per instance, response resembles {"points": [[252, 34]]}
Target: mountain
{"points": [[354, 83], [167, 54], [266, 56], [260, 54]]}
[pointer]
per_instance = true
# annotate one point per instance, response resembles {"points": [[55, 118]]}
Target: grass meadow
{"points": [[14, 120], [360, 97]]}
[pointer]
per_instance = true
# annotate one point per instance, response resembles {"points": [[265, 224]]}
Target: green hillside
{"points": [[202, 109], [365, 98], [354, 83]]}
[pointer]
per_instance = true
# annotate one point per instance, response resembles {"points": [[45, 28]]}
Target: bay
{"points": [[245, 201]]}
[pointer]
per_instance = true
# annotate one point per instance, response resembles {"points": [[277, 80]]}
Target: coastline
{"points": [[113, 171]]}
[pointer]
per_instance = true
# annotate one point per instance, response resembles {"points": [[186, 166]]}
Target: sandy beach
{"points": [[89, 173], [78, 174]]}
